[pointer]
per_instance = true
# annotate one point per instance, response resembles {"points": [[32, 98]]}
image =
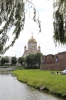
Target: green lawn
{"points": [[56, 84]]}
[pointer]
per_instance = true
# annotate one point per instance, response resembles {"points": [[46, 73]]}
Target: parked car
{"points": [[63, 72]]}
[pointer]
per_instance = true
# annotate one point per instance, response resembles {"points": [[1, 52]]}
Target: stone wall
{"points": [[53, 62]]}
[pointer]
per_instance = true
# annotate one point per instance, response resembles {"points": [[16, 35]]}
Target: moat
{"points": [[12, 89]]}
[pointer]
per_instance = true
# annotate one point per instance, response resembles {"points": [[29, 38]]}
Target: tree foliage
{"points": [[12, 14], [13, 60], [30, 59], [20, 60], [60, 21], [4, 60], [38, 58], [33, 60]]}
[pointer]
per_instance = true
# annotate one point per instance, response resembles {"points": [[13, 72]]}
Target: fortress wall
{"points": [[53, 67], [51, 64]]}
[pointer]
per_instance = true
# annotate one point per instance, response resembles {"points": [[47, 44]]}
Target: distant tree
{"points": [[13, 60], [30, 60], [24, 59], [20, 60], [6, 60], [38, 58], [33, 59], [3, 61]]}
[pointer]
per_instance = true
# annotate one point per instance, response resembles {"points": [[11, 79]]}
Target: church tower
{"points": [[24, 48], [32, 44], [32, 47]]}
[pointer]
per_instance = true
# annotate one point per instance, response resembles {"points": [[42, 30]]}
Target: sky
{"points": [[45, 38]]}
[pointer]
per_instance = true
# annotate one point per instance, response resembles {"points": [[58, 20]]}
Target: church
{"points": [[32, 47]]}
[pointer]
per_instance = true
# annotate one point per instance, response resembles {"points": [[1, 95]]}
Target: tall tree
{"points": [[60, 21], [3, 61], [20, 60], [38, 58], [12, 15], [13, 60], [6, 60], [30, 60], [33, 59]]}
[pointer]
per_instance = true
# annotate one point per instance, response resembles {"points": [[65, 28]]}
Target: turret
{"points": [[24, 48], [39, 47]]}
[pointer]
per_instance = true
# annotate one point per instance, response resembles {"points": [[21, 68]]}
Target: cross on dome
{"points": [[32, 35], [32, 39]]}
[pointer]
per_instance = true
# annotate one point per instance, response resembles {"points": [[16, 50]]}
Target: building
{"points": [[32, 47], [53, 62]]}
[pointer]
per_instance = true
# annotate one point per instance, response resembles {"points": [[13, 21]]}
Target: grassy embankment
{"points": [[44, 80]]}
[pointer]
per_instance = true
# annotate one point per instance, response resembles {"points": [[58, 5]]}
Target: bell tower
{"points": [[32, 44], [32, 47]]}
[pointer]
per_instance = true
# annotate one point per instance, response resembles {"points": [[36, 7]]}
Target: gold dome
{"points": [[32, 39]]}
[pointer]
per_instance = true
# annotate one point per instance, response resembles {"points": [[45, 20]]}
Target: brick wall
{"points": [[50, 62], [52, 67]]}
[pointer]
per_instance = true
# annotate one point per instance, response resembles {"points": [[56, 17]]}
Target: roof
{"points": [[32, 39]]}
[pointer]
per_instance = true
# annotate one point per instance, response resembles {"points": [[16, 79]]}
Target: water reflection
{"points": [[12, 89]]}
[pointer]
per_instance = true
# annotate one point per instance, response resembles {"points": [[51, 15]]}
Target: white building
{"points": [[32, 47]]}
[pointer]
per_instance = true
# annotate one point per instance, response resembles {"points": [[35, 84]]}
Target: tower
{"points": [[39, 48], [32, 44], [32, 47], [24, 48]]}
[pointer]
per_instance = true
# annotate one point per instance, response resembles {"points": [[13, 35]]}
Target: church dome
{"points": [[32, 39]]}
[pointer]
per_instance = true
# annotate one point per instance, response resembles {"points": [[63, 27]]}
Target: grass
{"points": [[55, 84]]}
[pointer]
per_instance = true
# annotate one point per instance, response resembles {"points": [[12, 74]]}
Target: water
{"points": [[12, 89]]}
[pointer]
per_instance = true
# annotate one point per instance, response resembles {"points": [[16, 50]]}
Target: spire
{"points": [[25, 46], [32, 35]]}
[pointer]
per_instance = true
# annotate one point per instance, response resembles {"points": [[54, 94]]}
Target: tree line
{"points": [[30, 61]]}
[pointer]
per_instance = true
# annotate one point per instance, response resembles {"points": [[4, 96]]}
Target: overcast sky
{"points": [[45, 38]]}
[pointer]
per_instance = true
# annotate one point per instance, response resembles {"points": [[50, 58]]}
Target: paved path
{"points": [[7, 69]]}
